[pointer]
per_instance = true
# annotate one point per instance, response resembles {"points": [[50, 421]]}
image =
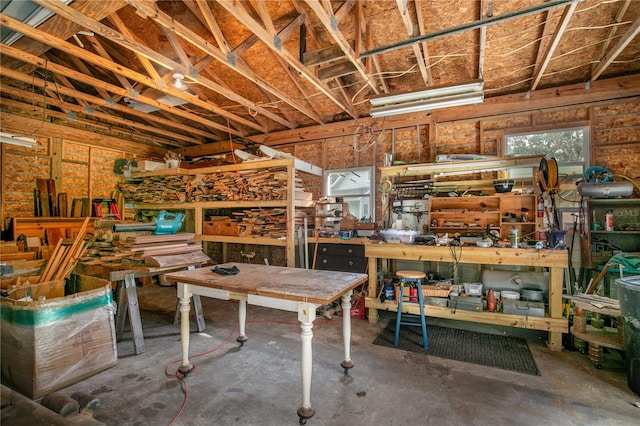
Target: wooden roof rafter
{"points": [[329, 20], [542, 64], [268, 39], [29, 79], [191, 37], [412, 27], [152, 55], [34, 99], [84, 121], [626, 38], [624, 5], [205, 15], [482, 37], [425, 50]]}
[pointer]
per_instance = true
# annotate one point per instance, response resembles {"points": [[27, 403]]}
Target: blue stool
{"points": [[411, 277]]}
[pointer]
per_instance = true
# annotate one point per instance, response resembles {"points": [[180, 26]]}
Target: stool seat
{"points": [[411, 274], [411, 278]]}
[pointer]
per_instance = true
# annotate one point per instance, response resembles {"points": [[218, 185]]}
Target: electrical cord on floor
{"points": [[183, 384]]}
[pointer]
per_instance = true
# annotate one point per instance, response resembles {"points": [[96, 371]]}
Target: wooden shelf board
{"points": [[496, 318], [607, 337]]}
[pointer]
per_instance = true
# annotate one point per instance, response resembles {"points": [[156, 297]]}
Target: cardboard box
{"points": [[221, 227], [53, 343]]}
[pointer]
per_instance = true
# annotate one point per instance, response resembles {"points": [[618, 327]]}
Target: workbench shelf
{"points": [[284, 194], [554, 260], [474, 214]]}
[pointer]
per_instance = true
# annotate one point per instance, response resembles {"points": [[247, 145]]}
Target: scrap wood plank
{"points": [[168, 251], [144, 239], [172, 260]]}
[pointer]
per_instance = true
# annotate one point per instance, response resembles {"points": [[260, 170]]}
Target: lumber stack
{"points": [[65, 257], [259, 222], [156, 189], [164, 250], [249, 185]]}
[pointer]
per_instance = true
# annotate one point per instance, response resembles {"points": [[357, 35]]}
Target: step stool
{"points": [[411, 278]]}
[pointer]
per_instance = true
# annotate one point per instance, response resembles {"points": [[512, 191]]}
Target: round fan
{"points": [[598, 174], [119, 166]]}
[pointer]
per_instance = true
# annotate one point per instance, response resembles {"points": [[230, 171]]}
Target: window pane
{"points": [[354, 186], [564, 145]]}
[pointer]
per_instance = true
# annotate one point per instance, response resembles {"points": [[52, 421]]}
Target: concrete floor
{"points": [[259, 383]]}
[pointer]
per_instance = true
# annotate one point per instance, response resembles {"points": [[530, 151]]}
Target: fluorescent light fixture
{"points": [[425, 100], [17, 140]]}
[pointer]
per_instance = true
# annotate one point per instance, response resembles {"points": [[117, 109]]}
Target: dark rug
{"points": [[491, 350]]}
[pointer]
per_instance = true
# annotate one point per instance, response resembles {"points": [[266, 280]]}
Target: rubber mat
{"points": [[491, 350]]}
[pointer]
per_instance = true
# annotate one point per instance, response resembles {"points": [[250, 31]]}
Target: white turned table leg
{"points": [[346, 331], [185, 305], [242, 321], [306, 316]]}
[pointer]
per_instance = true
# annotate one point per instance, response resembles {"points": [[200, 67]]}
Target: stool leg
{"points": [[423, 320], [399, 314]]}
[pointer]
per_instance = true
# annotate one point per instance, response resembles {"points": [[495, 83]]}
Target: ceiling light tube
{"points": [[474, 87], [17, 140], [427, 105]]}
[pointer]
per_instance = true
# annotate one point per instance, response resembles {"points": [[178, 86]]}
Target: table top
{"points": [[303, 285]]}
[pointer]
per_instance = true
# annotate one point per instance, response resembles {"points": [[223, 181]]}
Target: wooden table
{"points": [[289, 289]]}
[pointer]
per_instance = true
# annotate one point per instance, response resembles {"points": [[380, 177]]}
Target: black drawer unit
{"points": [[339, 257]]}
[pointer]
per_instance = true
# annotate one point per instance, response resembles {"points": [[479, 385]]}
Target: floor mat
{"points": [[491, 350]]}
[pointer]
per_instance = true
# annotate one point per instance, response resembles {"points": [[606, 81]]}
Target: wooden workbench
{"points": [[555, 260], [290, 289]]}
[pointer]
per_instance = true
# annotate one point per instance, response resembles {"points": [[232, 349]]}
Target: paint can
{"points": [[608, 220], [389, 293]]}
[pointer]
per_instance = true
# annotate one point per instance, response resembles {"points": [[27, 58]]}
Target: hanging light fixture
{"points": [[17, 140], [178, 82], [425, 100]]}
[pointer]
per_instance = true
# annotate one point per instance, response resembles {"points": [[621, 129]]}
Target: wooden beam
{"points": [[411, 28], [626, 38], [8, 50], [328, 19], [324, 55], [338, 69], [14, 123], [150, 54], [191, 37], [268, 39], [102, 62], [107, 126], [555, 40], [560, 97]]}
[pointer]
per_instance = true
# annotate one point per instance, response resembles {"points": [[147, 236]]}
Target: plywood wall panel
{"points": [[519, 121], [76, 152], [561, 116], [103, 178], [620, 160]]}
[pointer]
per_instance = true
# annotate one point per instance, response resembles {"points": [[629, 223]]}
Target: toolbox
{"points": [[518, 307], [469, 303]]}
